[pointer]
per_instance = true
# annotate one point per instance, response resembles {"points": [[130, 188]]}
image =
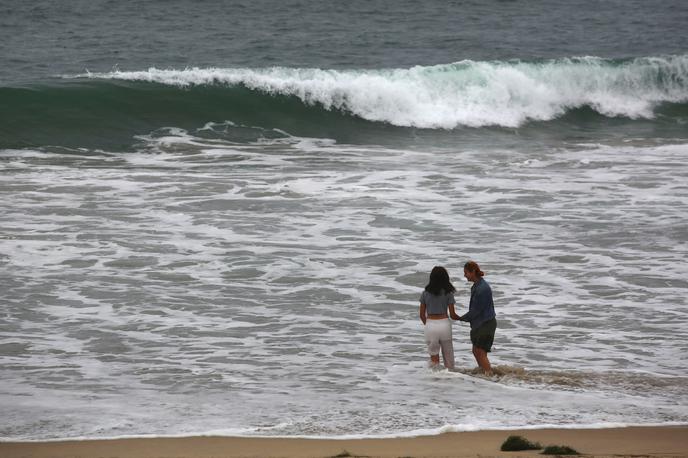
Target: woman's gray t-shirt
{"points": [[436, 305]]}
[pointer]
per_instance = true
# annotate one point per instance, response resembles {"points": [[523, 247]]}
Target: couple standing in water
{"points": [[437, 306]]}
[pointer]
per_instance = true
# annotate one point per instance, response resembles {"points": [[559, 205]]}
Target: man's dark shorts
{"points": [[483, 336]]}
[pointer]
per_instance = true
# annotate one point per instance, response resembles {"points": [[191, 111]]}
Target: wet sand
{"points": [[663, 441]]}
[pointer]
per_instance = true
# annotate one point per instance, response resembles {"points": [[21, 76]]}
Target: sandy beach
{"points": [[631, 441]]}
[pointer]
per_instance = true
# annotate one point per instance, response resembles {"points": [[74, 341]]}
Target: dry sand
{"points": [[632, 441]]}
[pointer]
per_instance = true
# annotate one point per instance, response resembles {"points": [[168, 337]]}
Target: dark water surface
{"points": [[40, 39]]}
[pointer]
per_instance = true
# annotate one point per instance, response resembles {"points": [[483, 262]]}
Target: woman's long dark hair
{"points": [[439, 282]]}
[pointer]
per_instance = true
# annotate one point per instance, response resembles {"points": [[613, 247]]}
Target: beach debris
{"points": [[559, 450], [518, 443], [343, 454]]}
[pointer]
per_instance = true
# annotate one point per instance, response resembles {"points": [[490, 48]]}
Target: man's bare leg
{"points": [[481, 359]]}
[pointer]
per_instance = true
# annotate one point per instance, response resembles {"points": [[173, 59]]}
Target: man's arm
{"points": [[479, 304]]}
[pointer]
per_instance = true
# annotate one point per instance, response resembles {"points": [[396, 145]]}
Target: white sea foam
{"points": [[255, 432], [179, 290], [466, 93]]}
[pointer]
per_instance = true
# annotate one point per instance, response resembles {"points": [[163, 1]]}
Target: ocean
{"points": [[217, 218]]}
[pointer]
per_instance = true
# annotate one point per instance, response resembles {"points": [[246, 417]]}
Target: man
{"points": [[481, 315]]}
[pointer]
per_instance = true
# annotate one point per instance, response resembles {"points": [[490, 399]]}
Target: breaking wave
{"points": [[466, 93], [108, 110]]}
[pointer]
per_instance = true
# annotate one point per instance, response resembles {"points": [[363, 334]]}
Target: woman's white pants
{"points": [[438, 335]]}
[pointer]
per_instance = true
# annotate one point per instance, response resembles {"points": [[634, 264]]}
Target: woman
{"points": [[436, 299], [481, 315]]}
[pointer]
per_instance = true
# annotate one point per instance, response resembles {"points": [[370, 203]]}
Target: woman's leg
{"points": [[433, 342], [447, 353]]}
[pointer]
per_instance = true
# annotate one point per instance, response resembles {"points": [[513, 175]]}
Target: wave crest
{"points": [[466, 93]]}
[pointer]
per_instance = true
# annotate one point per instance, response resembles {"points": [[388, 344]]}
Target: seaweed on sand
{"points": [[517, 443], [559, 450]]}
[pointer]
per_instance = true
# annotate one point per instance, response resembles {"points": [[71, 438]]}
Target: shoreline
{"points": [[651, 441]]}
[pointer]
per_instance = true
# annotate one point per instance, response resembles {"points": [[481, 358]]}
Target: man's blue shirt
{"points": [[481, 307]]}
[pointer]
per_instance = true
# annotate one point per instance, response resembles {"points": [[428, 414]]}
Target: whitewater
{"points": [[205, 285]]}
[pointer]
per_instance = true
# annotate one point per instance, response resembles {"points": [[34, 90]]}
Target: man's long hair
{"points": [[439, 282], [473, 266]]}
